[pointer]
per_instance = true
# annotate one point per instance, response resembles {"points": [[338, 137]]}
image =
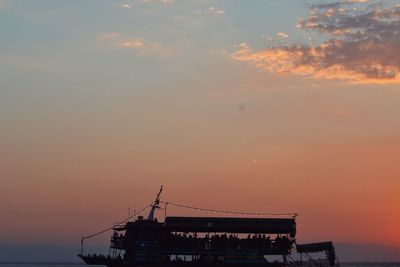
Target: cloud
{"points": [[159, 1], [134, 43], [216, 11], [142, 46], [357, 1], [109, 36], [282, 35], [126, 5], [362, 45], [137, 44]]}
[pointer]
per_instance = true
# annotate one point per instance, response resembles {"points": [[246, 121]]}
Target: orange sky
{"points": [[90, 126], [328, 160]]}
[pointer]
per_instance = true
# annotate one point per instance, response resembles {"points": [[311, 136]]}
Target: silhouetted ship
{"points": [[208, 241]]}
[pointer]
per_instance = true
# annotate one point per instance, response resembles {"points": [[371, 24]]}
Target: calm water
{"points": [[345, 264]]}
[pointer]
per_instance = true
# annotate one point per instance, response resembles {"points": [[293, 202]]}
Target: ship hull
{"points": [[111, 262]]}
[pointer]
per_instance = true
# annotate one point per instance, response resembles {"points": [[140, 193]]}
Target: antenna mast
{"points": [[155, 205]]}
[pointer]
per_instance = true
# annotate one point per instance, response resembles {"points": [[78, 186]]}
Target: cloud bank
{"points": [[362, 44]]}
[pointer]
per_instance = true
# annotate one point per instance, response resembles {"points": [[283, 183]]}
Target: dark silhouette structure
{"points": [[212, 241], [326, 247]]}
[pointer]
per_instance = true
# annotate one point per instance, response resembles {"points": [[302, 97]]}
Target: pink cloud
{"points": [[363, 45]]}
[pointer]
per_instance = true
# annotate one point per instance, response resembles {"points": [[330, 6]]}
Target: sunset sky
{"points": [[264, 106]]}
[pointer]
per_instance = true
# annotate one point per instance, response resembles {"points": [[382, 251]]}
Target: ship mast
{"points": [[155, 206]]}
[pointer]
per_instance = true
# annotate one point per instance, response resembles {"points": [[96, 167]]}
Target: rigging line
{"points": [[231, 212], [111, 227], [130, 217]]}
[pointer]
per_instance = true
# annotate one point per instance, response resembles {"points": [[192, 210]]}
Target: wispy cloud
{"points": [[142, 46], [138, 44], [282, 35], [133, 43], [109, 36], [216, 11], [357, 1], [363, 44], [126, 5], [159, 1]]}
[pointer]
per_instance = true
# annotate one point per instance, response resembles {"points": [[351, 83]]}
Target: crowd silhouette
{"points": [[185, 241], [227, 242], [117, 240]]}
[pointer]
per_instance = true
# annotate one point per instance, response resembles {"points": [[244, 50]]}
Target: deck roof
{"points": [[231, 225]]}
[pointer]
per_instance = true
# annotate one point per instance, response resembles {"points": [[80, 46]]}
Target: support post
{"points": [[165, 210], [83, 238]]}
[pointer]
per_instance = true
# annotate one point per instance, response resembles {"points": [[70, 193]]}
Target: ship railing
{"points": [[253, 252]]}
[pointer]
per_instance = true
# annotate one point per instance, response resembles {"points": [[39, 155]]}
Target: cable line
{"points": [[111, 227], [231, 212], [119, 223]]}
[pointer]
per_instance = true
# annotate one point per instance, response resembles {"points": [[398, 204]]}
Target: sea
{"points": [[59, 264]]}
